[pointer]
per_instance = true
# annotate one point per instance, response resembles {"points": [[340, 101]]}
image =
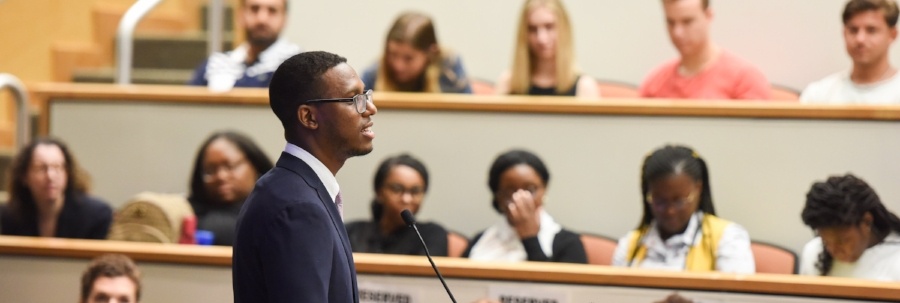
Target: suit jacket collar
{"points": [[323, 173]]}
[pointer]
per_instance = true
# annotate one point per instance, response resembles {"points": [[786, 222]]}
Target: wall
{"points": [[27, 279], [793, 42]]}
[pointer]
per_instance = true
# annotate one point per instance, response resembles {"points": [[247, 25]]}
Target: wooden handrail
{"points": [[462, 268], [443, 102]]}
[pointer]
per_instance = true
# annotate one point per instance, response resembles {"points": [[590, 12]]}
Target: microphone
{"points": [[411, 222]]}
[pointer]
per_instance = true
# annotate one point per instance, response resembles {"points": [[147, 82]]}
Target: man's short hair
{"points": [[110, 266], [298, 79], [244, 3], [705, 3], [888, 7]]}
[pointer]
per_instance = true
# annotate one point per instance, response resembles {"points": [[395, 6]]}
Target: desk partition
{"points": [[763, 156], [48, 270]]}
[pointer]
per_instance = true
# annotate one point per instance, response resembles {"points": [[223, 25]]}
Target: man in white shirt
{"points": [[870, 27], [253, 62]]}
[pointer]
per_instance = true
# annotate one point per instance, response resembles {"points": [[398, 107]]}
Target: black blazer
{"points": [[366, 237], [82, 217], [290, 243]]}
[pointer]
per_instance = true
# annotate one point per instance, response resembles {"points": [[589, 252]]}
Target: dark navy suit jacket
{"points": [[290, 244]]}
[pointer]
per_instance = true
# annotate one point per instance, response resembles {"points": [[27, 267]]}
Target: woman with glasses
{"points": [[679, 229], [225, 171], [544, 55], [400, 183], [413, 61], [518, 180], [858, 237], [48, 196]]}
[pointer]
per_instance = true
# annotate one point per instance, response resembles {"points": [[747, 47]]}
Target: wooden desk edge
{"points": [[44, 93], [466, 269]]}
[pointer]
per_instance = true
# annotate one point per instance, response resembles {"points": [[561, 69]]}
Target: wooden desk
{"points": [[763, 156], [210, 263]]}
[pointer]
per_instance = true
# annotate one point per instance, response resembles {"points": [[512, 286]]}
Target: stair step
{"points": [[138, 75], [185, 51]]}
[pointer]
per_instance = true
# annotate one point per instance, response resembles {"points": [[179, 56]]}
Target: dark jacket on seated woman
{"points": [[220, 219], [82, 217], [367, 236]]}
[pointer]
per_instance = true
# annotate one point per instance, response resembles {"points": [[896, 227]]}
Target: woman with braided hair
{"points": [[857, 236], [679, 229]]}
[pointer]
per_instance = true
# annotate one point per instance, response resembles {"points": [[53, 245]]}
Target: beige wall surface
{"points": [[793, 42], [760, 169], [27, 279]]}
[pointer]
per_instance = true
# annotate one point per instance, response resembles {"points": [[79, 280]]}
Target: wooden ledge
{"points": [[73, 92], [465, 269]]}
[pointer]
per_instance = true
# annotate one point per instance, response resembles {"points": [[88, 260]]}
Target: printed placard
{"points": [[527, 294], [387, 293]]}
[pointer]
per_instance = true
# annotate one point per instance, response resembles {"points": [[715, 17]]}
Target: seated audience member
{"points": [[704, 70], [253, 62], [413, 61], [679, 229], [544, 55], [857, 236], [225, 171], [518, 180], [870, 27], [111, 278], [400, 183], [48, 196]]}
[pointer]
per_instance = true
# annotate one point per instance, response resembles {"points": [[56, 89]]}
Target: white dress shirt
{"points": [[839, 89], [733, 255], [321, 171], [879, 262]]}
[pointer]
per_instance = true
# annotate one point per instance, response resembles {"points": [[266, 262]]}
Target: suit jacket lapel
{"points": [[299, 167]]}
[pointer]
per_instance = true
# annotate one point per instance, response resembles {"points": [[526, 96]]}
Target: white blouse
{"points": [[733, 253], [879, 262]]}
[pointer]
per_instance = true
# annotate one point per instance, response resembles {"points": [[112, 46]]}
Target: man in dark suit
{"points": [[291, 245]]}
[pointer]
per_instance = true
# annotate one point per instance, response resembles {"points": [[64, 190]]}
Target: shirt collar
{"points": [[321, 171], [686, 238]]}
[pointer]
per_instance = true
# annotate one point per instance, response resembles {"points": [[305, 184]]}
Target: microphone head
{"points": [[408, 217]]}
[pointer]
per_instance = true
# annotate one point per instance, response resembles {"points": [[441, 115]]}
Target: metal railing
{"points": [[215, 18], [125, 38], [22, 117], [125, 34]]}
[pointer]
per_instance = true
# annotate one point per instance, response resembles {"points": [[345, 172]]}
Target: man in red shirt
{"points": [[704, 70]]}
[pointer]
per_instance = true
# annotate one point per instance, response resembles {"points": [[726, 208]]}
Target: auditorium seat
{"points": [[482, 87], [784, 93], [773, 259], [154, 217], [456, 244], [615, 89], [599, 249]]}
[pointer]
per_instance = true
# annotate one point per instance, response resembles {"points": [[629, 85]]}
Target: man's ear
{"points": [[306, 115]]}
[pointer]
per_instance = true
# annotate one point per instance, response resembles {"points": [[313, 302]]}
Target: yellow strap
{"points": [[701, 257]]}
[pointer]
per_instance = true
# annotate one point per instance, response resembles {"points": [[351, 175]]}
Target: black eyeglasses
{"points": [[360, 101]]}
